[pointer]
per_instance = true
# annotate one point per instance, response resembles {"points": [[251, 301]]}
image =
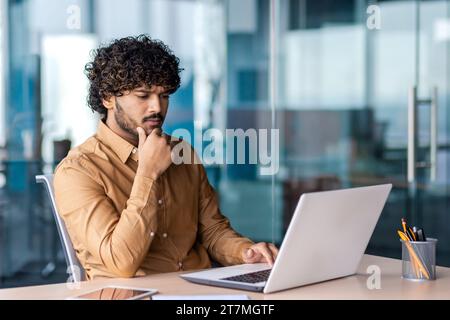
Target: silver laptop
{"points": [[326, 239]]}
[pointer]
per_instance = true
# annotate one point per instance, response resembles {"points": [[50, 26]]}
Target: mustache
{"points": [[156, 116]]}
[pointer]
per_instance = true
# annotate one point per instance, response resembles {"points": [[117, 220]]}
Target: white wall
{"points": [[64, 90]]}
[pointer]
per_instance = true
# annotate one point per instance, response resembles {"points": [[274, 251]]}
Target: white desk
{"points": [[353, 287]]}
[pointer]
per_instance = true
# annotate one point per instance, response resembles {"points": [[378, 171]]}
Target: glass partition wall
{"points": [[363, 99], [337, 81]]}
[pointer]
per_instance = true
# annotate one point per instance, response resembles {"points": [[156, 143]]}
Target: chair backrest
{"points": [[73, 265]]}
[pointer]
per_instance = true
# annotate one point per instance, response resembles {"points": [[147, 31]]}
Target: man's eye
{"points": [[143, 97], [165, 96]]}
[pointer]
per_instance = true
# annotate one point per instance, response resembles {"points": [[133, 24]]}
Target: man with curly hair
{"points": [[128, 209]]}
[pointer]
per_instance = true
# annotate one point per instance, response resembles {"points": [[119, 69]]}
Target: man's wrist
{"points": [[151, 174]]}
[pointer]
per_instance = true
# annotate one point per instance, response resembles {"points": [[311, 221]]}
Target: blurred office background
{"points": [[335, 82]]}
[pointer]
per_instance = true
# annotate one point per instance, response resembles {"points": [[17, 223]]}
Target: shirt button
{"points": [[134, 150], [152, 234], [160, 201], [164, 235]]}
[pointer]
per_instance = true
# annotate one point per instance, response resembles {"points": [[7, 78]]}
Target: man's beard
{"points": [[129, 125], [125, 125]]}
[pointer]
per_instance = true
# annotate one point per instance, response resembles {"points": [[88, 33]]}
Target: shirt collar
{"points": [[120, 146]]}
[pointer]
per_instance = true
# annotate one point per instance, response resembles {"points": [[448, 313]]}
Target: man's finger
{"points": [[156, 131], [255, 256], [167, 137], [249, 255], [274, 250], [264, 250], [142, 136]]}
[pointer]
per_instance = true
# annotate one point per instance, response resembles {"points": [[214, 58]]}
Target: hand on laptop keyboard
{"points": [[260, 252]]}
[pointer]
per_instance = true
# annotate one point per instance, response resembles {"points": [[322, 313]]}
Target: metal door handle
{"points": [[413, 104], [433, 134], [412, 134]]}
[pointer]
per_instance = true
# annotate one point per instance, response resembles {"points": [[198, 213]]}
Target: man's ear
{"points": [[109, 103]]}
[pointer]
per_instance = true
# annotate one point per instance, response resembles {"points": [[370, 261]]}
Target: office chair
{"points": [[73, 265]]}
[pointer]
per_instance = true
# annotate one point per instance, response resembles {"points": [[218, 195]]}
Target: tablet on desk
{"points": [[116, 293]]}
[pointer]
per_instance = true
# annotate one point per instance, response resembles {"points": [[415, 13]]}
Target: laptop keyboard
{"points": [[254, 277]]}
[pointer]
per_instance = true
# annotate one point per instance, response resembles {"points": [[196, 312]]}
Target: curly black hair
{"points": [[128, 63]]}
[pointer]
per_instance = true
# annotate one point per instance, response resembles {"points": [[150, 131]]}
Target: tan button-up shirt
{"points": [[122, 224]]}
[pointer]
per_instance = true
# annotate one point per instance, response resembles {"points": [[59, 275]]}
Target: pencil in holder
{"points": [[419, 259]]}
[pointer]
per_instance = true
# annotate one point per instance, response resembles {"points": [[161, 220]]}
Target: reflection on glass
{"points": [[343, 101]]}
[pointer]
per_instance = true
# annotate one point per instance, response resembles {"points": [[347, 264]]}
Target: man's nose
{"points": [[154, 105]]}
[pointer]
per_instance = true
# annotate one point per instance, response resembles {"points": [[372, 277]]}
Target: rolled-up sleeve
{"points": [[120, 240], [222, 243]]}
